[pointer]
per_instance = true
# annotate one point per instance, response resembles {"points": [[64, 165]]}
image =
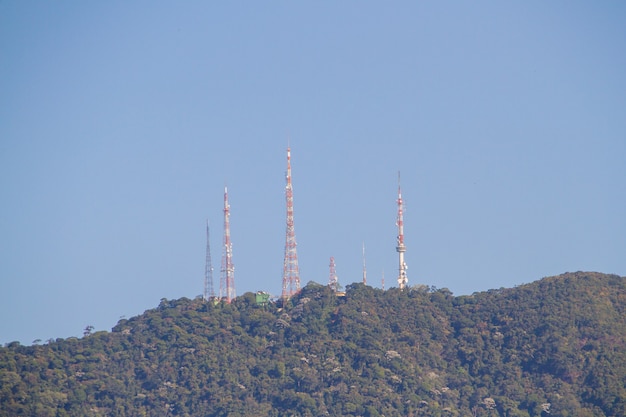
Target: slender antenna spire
{"points": [[333, 281], [400, 248], [364, 268], [383, 280], [209, 292], [291, 272], [227, 281]]}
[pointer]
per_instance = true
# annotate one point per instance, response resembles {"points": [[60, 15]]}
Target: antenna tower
{"points": [[364, 268], [333, 281], [227, 279], [400, 248], [291, 272], [209, 292]]}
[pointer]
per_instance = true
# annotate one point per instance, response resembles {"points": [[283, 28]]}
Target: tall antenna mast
{"points": [[333, 281], [383, 280], [400, 248], [364, 268], [227, 281], [291, 272], [209, 292]]}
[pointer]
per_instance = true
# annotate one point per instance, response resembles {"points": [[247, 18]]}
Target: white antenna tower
{"points": [[364, 268]]}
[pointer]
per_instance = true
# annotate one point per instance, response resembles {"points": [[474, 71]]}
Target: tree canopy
{"points": [[556, 346]]}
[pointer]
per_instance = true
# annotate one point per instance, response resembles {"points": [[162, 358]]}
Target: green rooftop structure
{"points": [[262, 298]]}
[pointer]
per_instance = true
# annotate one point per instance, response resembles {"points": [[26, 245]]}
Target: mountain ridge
{"points": [[554, 346]]}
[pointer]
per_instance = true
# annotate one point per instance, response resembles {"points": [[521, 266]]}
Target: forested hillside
{"points": [[556, 346]]}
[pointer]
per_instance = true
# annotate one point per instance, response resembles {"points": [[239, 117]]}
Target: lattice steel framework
{"points": [[333, 281], [209, 291], [291, 271], [227, 279]]}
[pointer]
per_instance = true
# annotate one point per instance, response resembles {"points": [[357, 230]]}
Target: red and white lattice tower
{"points": [[209, 292], [227, 279], [400, 248], [333, 281], [291, 272]]}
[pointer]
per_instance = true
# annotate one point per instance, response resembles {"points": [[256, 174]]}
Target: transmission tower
{"points": [[400, 248], [333, 281], [364, 268], [209, 292], [227, 279], [291, 272]]}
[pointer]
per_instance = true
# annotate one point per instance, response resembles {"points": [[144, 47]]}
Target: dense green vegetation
{"points": [[556, 346]]}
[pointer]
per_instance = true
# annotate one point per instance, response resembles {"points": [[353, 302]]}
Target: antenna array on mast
{"points": [[227, 280], [364, 268], [209, 292], [400, 248], [333, 281], [291, 272]]}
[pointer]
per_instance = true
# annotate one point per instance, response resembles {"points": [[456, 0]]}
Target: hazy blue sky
{"points": [[121, 122]]}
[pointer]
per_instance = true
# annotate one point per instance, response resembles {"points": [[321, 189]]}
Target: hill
{"points": [[556, 346]]}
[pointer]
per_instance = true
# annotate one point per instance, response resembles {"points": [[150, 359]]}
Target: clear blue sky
{"points": [[121, 122]]}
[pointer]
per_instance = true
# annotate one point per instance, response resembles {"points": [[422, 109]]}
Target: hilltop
{"points": [[555, 346]]}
